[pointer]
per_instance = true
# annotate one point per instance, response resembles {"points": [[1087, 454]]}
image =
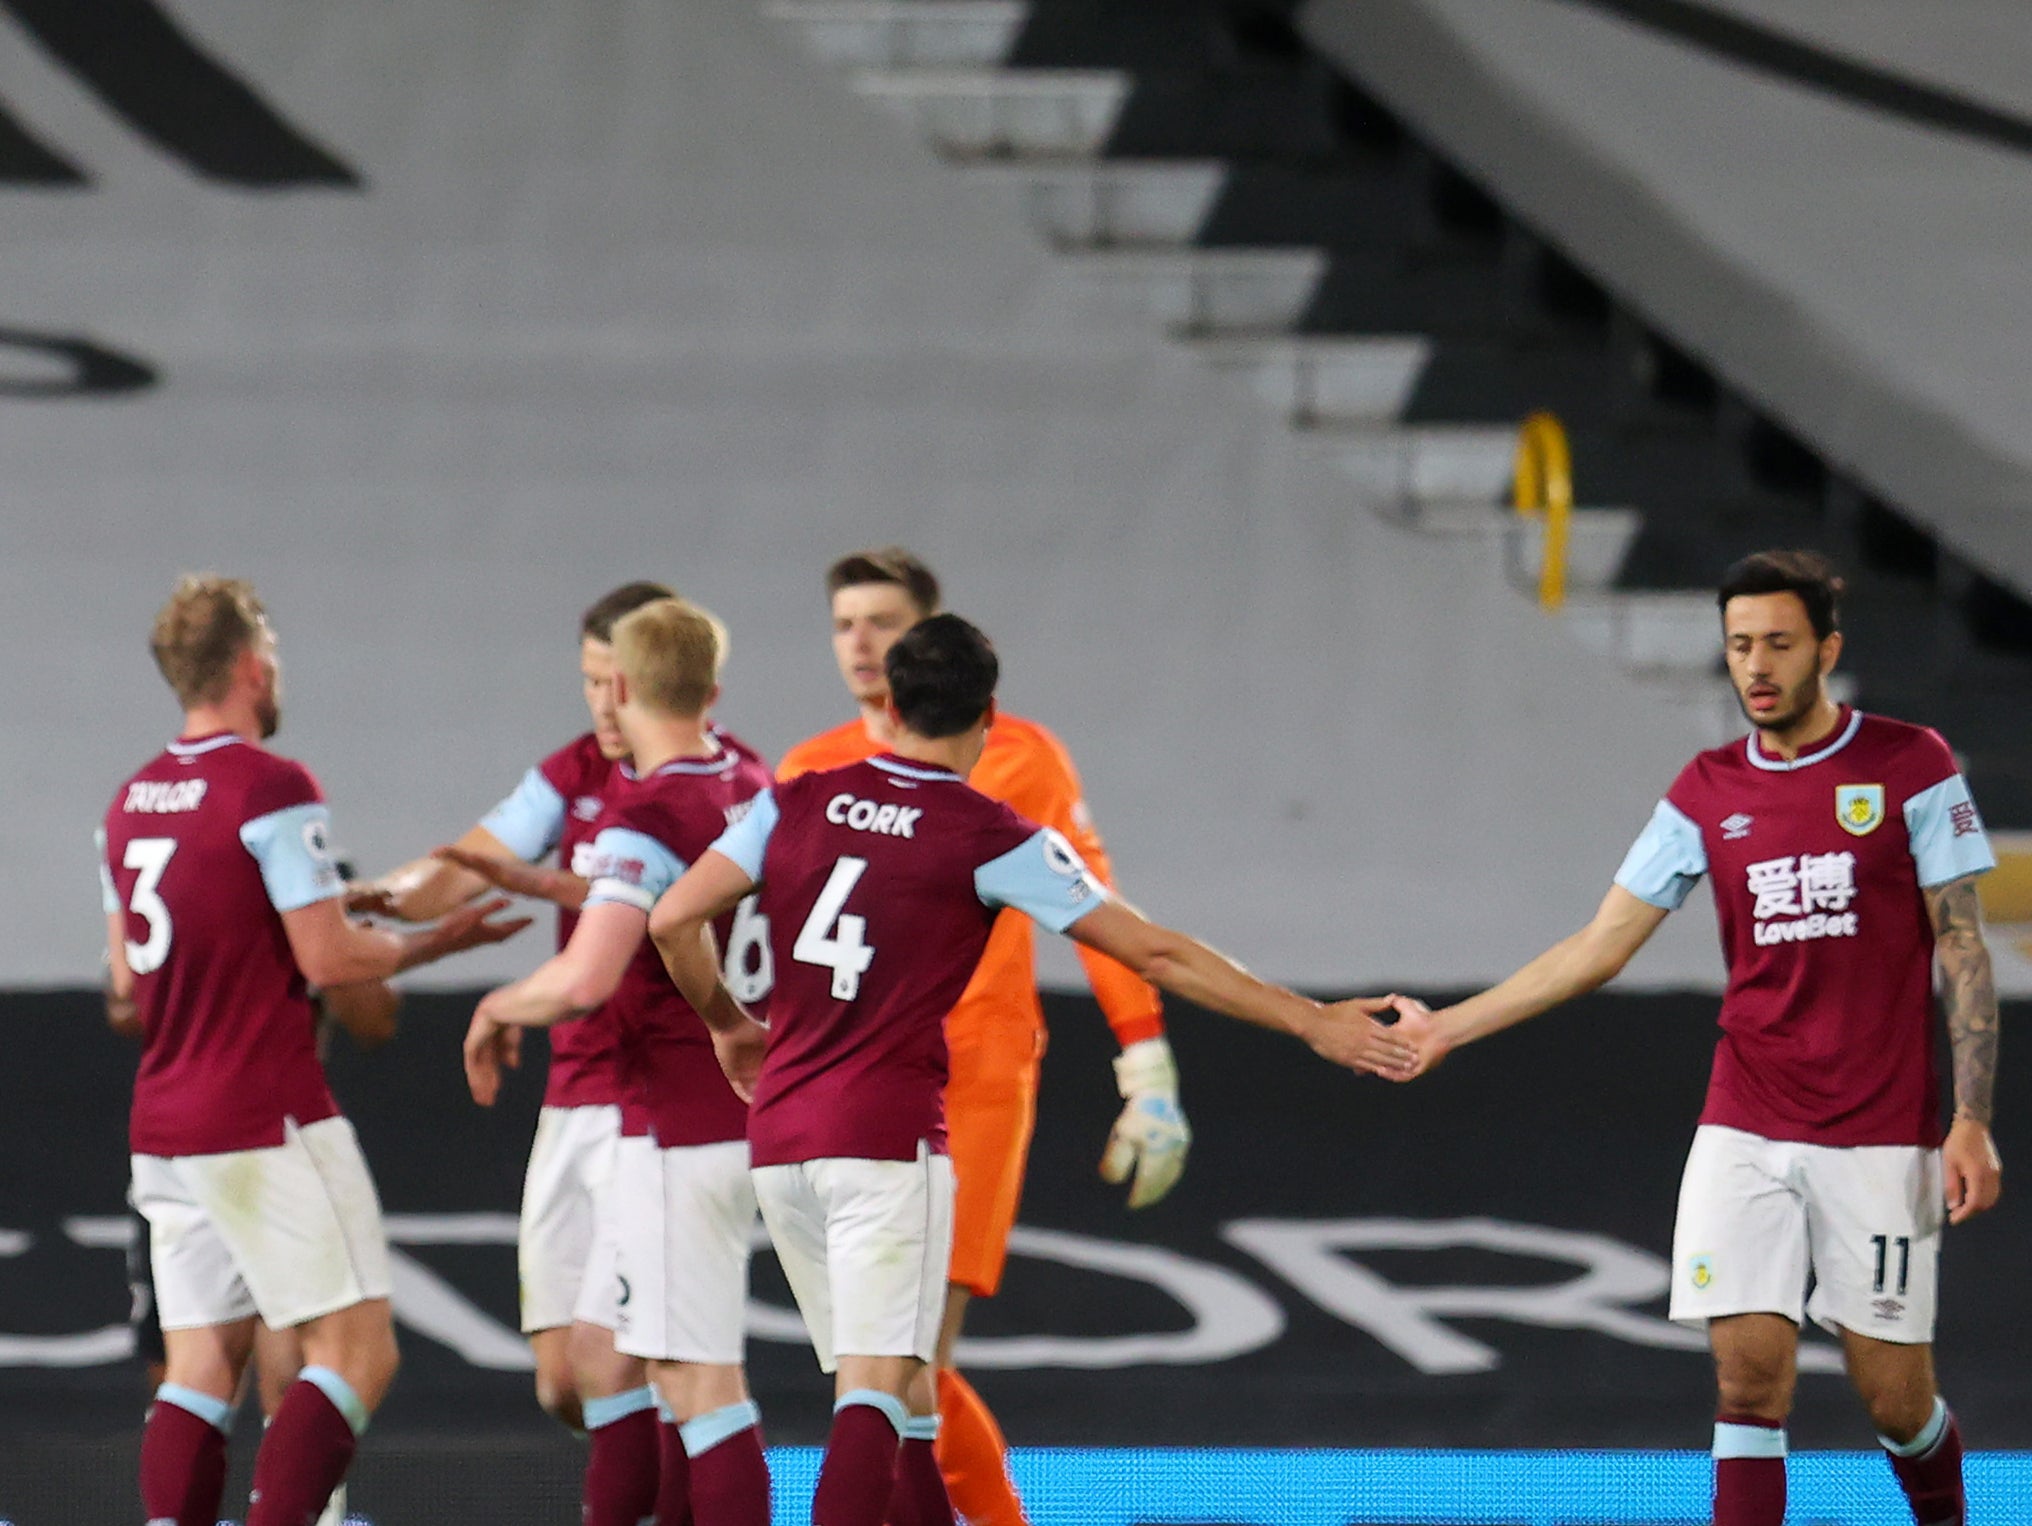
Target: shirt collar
{"points": [[1842, 737], [889, 763], [191, 747]]}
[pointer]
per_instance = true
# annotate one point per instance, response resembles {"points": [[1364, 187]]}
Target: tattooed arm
{"points": [[1974, 1175]]}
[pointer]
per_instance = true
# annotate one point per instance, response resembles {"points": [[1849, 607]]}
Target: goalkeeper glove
{"points": [[1151, 1135]]}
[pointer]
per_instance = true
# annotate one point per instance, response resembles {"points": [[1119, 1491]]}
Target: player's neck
{"points": [[1811, 729], [656, 740], [953, 754], [875, 721], [211, 720]]}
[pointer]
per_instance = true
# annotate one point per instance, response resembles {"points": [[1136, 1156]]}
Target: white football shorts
{"points": [[289, 1232], [865, 1246], [563, 1230], [1758, 1217], [684, 1228]]}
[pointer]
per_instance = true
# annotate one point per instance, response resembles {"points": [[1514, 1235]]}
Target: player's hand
{"points": [[369, 898], [1426, 1033], [740, 1049], [1348, 1034], [1971, 1170], [490, 1046], [509, 874], [474, 926], [1151, 1136], [366, 1009]]}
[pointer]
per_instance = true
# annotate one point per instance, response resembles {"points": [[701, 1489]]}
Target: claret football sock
{"points": [[622, 1461], [729, 1475], [183, 1456], [858, 1475], [920, 1498], [673, 1475], [1929, 1470], [974, 1456], [1749, 1471], [307, 1450]]}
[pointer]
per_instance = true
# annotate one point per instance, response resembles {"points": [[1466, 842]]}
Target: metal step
{"points": [[1663, 633], [903, 33], [1397, 467], [1597, 542], [1215, 291], [1001, 113], [1314, 380], [1113, 203]]}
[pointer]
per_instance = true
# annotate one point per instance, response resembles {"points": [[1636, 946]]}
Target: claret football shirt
{"points": [[1819, 866], [652, 830], [557, 805], [881, 881], [202, 851]]}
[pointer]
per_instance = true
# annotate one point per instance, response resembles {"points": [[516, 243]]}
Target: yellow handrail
{"points": [[1545, 488]]}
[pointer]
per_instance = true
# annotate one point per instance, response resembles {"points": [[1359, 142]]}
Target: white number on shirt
{"points": [[151, 856], [749, 968], [843, 953]]}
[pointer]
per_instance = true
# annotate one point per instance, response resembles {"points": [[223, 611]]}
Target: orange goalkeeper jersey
{"points": [[1027, 768]]}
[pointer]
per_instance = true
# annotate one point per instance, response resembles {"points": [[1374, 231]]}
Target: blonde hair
{"points": [[670, 651], [201, 632]]}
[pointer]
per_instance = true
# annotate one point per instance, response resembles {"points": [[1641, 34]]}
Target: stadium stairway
{"points": [[1279, 222]]}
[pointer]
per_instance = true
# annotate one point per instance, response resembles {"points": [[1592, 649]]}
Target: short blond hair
{"points": [[670, 651], [201, 632]]}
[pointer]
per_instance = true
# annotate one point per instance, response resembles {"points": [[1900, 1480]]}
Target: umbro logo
{"points": [[1736, 827]]}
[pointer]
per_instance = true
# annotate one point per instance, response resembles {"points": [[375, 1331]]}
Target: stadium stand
{"points": [[624, 291], [525, 296], [1852, 280]]}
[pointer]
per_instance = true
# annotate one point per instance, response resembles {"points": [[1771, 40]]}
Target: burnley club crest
{"points": [[1859, 808]]}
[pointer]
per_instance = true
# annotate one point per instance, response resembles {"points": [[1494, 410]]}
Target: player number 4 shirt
{"points": [[1820, 866], [881, 881]]}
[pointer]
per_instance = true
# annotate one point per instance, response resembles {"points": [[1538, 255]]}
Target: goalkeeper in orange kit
{"points": [[995, 1034]]}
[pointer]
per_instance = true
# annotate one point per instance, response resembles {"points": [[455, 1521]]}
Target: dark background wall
{"points": [[1553, 1147]]}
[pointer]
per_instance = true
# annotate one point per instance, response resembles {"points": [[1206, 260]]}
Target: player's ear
{"points": [[1830, 652], [712, 697], [620, 686], [988, 715], [250, 668]]}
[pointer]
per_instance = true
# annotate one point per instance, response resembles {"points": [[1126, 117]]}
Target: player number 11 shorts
{"points": [[1760, 1218]]}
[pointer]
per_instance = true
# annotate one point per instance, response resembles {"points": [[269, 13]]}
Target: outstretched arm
{"points": [[1973, 1172], [1571, 967], [332, 950], [1346, 1033], [536, 881], [581, 975], [573, 981], [426, 888]]}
